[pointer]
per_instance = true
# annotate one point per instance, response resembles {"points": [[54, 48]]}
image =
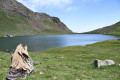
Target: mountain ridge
{"points": [[41, 22], [109, 30]]}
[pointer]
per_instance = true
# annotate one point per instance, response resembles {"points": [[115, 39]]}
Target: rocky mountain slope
{"points": [[16, 19], [110, 30]]}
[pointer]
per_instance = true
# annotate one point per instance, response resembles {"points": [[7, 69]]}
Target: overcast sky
{"points": [[79, 15]]}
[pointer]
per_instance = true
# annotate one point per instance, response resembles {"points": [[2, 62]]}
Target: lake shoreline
{"points": [[97, 33], [37, 35], [44, 42]]}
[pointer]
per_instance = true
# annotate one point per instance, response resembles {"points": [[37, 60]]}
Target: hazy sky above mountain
{"points": [[79, 15]]}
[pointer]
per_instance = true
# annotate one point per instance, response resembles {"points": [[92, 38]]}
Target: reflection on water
{"points": [[41, 43]]}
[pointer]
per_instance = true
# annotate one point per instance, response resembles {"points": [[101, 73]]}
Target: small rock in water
{"points": [[99, 63]]}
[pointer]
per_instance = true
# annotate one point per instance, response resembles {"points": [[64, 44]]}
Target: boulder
{"points": [[99, 63], [21, 64]]}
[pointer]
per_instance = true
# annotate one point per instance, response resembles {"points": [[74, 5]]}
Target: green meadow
{"points": [[71, 63]]}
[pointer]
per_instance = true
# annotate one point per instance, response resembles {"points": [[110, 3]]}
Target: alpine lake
{"points": [[44, 42]]}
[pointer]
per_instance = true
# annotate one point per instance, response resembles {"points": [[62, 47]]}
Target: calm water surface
{"points": [[41, 43]]}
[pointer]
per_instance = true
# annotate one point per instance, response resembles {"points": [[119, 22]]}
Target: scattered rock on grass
{"points": [[99, 63], [36, 63], [77, 79], [118, 39], [41, 73], [55, 78], [8, 36]]}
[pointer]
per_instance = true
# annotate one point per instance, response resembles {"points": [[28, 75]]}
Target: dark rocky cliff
{"points": [[40, 21]]}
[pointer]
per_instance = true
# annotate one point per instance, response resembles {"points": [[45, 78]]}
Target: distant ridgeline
{"points": [[110, 30], [16, 19]]}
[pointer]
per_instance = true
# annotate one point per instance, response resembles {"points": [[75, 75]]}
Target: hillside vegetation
{"points": [[16, 19], [19, 26], [110, 30], [14, 25], [71, 63]]}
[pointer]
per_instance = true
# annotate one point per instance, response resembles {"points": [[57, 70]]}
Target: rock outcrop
{"points": [[41, 21], [21, 64]]}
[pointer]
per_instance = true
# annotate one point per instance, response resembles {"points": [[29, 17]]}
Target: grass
{"points": [[71, 63], [48, 23], [53, 29], [14, 25]]}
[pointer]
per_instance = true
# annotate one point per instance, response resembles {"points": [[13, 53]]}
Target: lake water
{"points": [[41, 43]]}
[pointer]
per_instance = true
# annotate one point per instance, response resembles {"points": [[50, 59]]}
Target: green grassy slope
{"points": [[20, 26], [110, 30], [14, 25], [72, 63]]}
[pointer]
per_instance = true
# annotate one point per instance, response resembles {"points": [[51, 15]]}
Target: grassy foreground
{"points": [[71, 63]]}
